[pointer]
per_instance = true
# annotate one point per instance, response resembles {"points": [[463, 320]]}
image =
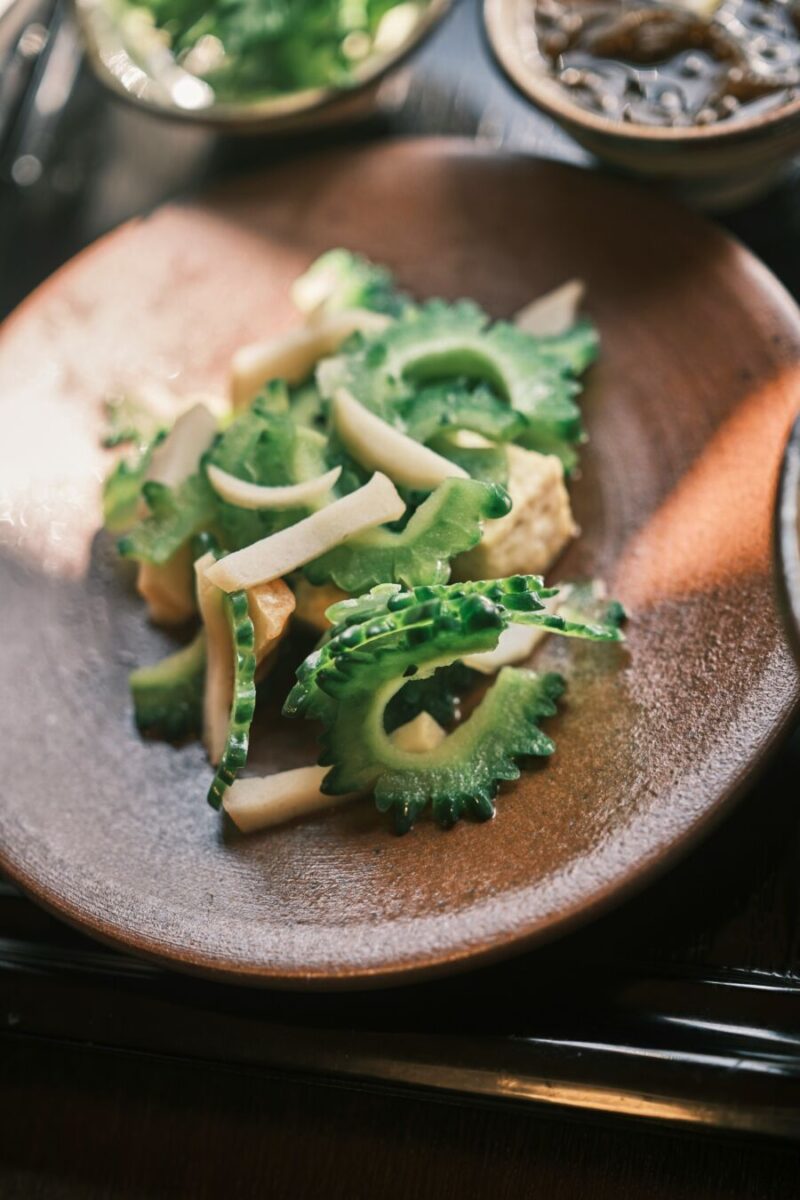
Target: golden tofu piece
{"points": [[168, 589], [270, 606], [536, 530], [312, 602]]}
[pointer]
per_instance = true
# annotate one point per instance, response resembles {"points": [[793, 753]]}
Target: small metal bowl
{"points": [[161, 86], [714, 166]]}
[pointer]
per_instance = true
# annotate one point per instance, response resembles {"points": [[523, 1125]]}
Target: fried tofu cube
{"points": [[313, 601], [529, 539], [270, 606]]}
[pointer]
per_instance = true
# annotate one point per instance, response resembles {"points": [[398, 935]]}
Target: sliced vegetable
{"points": [[265, 447], [447, 523], [122, 490], [176, 515], [254, 804], [293, 356], [380, 639], [439, 695], [486, 462], [307, 406], [455, 406], [440, 340], [168, 697], [585, 604], [379, 447], [243, 704], [178, 456], [516, 644], [460, 778], [374, 504], [258, 803], [554, 313], [340, 280], [166, 474], [219, 660], [140, 414], [588, 604], [254, 496]]}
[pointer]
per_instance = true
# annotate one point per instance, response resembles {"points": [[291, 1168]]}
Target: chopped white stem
{"points": [[293, 356], [177, 457], [254, 804], [516, 643], [276, 556], [254, 496], [554, 313], [380, 447]]}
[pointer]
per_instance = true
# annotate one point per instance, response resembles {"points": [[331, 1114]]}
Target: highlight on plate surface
{"points": [[691, 62], [389, 478]]}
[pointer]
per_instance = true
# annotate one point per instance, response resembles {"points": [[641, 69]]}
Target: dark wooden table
{"points": [[629, 1061]]}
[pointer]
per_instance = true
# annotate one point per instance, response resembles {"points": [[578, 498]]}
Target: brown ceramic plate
{"points": [[687, 413]]}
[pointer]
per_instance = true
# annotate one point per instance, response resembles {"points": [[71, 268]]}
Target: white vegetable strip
{"points": [[554, 313], [177, 457], [294, 356], [219, 661], [380, 447], [273, 557], [517, 642], [254, 804], [254, 496]]}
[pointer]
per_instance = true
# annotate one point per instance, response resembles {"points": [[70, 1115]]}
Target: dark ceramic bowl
{"points": [[714, 166], [787, 537], [153, 81]]}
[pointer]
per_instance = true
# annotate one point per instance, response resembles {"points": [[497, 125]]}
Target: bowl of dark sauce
{"points": [[706, 97]]}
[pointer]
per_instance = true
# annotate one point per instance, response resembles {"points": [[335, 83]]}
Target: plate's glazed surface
{"points": [[687, 412]]}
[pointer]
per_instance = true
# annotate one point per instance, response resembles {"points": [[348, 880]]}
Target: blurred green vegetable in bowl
{"points": [[251, 64]]}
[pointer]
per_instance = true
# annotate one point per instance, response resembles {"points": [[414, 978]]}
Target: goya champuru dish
{"points": [[393, 476]]}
